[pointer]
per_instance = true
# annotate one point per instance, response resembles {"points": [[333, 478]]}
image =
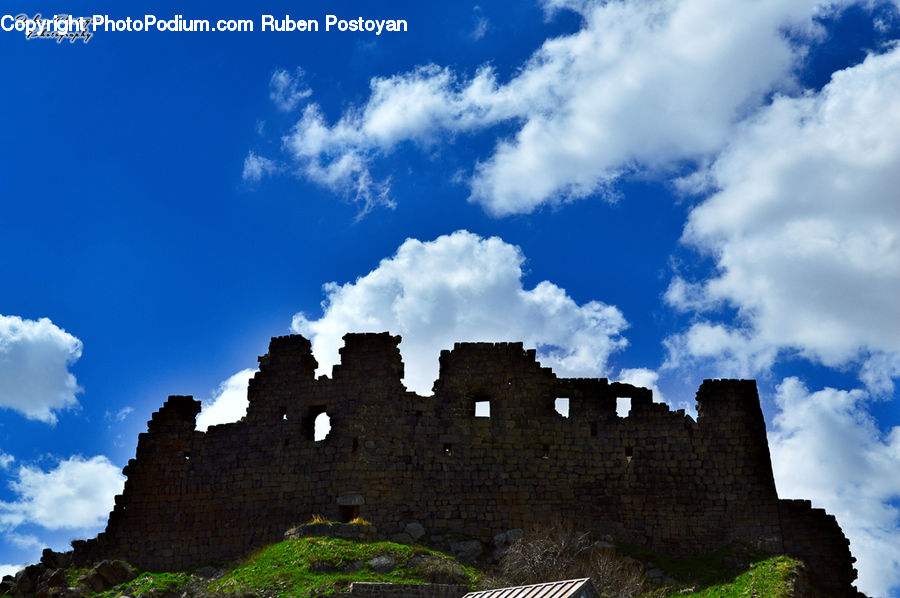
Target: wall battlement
{"points": [[656, 478]]}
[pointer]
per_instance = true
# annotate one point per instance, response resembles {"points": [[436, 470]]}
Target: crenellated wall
{"points": [[656, 478]]}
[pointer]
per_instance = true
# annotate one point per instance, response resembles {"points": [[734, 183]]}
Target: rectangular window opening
{"points": [[482, 408], [561, 404], [623, 406]]}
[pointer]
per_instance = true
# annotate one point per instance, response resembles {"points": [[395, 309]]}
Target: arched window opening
{"points": [[321, 426], [313, 425]]}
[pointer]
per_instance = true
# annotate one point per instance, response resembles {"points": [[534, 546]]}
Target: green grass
{"points": [[315, 566], [304, 567], [146, 582], [769, 578], [734, 570]]}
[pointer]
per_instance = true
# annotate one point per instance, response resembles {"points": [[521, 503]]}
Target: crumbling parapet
{"points": [[655, 478]]}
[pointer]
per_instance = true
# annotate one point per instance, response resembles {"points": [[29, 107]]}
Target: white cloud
{"points": [[647, 378], [34, 361], [228, 403], [720, 351], [10, 569], [119, 416], [6, 460], [805, 231], [463, 287], [77, 494], [641, 84], [26, 541], [256, 167], [481, 24], [287, 91], [825, 446]]}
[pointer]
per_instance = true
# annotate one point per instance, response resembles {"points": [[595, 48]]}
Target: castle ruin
{"points": [[655, 478]]}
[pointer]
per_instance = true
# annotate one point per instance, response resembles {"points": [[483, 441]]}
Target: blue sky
{"points": [[652, 191]]}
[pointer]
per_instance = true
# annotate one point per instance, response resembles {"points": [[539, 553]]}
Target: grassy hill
{"points": [[320, 566]]}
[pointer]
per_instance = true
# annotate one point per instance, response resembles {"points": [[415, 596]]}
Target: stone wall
{"points": [[656, 478], [405, 590]]}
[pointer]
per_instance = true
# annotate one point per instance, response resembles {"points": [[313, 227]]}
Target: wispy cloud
{"points": [[287, 91], [481, 24], [256, 167], [6, 460], [119, 416]]}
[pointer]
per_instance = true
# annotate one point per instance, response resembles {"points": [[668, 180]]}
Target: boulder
{"points": [[93, 580], [56, 560], [114, 572], [382, 564], [415, 530], [24, 581], [56, 578], [468, 550]]}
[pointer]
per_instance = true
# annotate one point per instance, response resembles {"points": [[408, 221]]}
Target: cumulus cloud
{"points": [[825, 445], [228, 403], [34, 368], [805, 232], [463, 287], [641, 84], [77, 494], [287, 91], [647, 378]]}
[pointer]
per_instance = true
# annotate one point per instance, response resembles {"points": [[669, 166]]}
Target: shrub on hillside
{"points": [[555, 552]]}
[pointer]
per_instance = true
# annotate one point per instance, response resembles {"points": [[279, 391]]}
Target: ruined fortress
{"points": [[655, 478]]}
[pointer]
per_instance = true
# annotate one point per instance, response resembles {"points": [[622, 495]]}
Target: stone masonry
{"points": [[655, 478]]}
